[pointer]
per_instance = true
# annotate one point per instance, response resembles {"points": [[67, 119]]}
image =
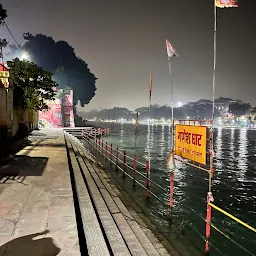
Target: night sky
{"points": [[123, 41]]}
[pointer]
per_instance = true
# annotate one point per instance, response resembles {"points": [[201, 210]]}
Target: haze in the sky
{"points": [[124, 40]]}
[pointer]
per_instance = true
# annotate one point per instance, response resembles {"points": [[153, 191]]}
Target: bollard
{"points": [[124, 164], [171, 196], [105, 131], [208, 224], [171, 188], [102, 148], [116, 158], [134, 170], [147, 179], [106, 150]]}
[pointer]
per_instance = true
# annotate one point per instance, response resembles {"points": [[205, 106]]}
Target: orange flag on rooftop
{"points": [[226, 3]]}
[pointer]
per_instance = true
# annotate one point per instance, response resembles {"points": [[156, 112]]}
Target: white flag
{"points": [[170, 50]]}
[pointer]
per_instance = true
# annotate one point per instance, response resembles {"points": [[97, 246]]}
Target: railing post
{"points": [[111, 151], [124, 164], [147, 179], [116, 158], [102, 147], [105, 131], [134, 169], [106, 150], [99, 146], [171, 193], [208, 224]]}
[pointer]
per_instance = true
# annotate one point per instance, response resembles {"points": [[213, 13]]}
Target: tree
{"points": [[253, 111], [3, 42], [239, 109], [33, 85], [59, 58], [3, 14]]}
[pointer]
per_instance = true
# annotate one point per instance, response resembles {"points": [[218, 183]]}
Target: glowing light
{"points": [[179, 104], [25, 56]]}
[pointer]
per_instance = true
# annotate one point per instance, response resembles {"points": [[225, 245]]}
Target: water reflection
{"points": [[232, 147], [243, 154], [162, 148], [218, 149]]}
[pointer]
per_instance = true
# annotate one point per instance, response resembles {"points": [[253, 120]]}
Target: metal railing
{"points": [[122, 161]]}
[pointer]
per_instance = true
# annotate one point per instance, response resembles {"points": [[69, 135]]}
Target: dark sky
{"points": [[124, 40]]}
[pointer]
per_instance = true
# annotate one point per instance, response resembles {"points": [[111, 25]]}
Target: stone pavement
{"points": [[37, 215]]}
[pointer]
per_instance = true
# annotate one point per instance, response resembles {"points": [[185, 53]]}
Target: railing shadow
{"points": [[27, 245], [19, 168]]}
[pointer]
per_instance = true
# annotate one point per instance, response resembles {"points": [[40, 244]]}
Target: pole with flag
{"points": [[149, 130], [217, 4], [150, 93], [170, 162]]}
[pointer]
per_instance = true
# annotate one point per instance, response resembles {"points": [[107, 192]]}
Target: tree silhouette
{"points": [[3, 14], [239, 109], [3, 43], [59, 58]]}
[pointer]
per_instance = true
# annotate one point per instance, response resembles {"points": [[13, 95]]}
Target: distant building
{"points": [[199, 102], [222, 105]]}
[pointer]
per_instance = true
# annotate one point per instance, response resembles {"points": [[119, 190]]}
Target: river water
{"points": [[234, 188]]}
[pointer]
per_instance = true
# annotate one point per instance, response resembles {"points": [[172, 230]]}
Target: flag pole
{"points": [[149, 130], [170, 161], [172, 101], [150, 94], [209, 194], [214, 60]]}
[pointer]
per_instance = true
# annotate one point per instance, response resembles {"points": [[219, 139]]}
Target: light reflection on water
{"points": [[233, 186]]}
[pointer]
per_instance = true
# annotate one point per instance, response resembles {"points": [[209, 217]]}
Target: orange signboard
{"points": [[191, 142], [4, 78]]}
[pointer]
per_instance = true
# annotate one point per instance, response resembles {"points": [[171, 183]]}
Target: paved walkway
{"points": [[37, 215]]}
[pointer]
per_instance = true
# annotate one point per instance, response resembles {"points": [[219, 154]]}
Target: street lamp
{"points": [[25, 56], [179, 104]]}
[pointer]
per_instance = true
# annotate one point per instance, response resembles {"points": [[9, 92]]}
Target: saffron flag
{"points": [[150, 86], [170, 50], [226, 3]]}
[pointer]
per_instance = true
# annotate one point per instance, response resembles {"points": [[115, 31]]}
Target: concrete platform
{"points": [[119, 231], [37, 215]]}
